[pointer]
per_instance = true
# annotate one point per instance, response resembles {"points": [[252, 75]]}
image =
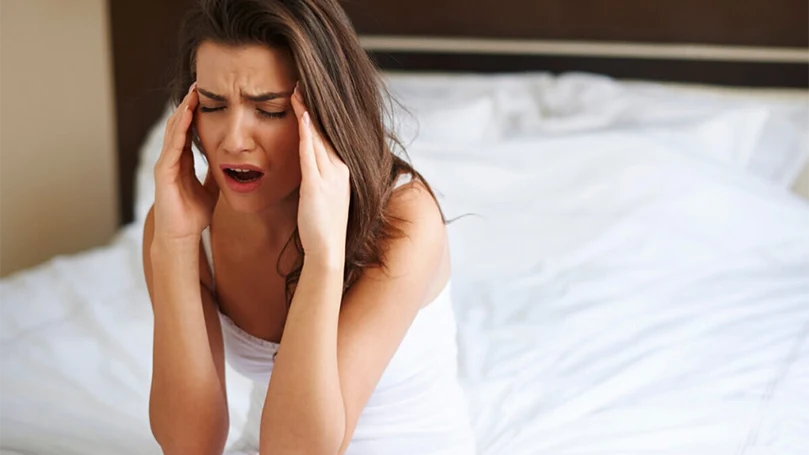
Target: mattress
{"points": [[631, 276]]}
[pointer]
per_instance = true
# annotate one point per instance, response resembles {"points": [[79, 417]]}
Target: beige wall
{"points": [[57, 159]]}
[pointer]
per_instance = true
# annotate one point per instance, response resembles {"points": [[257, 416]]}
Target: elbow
{"points": [[188, 442], [192, 447], [332, 441], [308, 449], [322, 432], [313, 446], [328, 442], [189, 435]]}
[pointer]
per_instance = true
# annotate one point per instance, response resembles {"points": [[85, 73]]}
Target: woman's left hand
{"points": [[324, 192]]}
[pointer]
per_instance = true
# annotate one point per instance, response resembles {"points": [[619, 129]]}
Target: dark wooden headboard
{"points": [[726, 42]]}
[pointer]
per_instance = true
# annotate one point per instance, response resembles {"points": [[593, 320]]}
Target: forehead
{"points": [[254, 62]]}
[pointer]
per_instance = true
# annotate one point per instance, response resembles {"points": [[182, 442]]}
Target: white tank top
{"points": [[418, 406]]}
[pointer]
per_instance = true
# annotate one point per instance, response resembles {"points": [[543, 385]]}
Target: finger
{"points": [[179, 111], [190, 105], [320, 146], [297, 102], [329, 152], [187, 157], [309, 166], [177, 136], [305, 129]]}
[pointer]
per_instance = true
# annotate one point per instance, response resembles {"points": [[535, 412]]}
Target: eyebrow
{"points": [[260, 98]]}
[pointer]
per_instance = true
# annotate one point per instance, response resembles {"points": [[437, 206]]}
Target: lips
{"points": [[243, 175], [242, 178]]}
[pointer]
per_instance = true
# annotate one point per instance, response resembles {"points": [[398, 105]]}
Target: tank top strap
{"points": [[206, 246], [403, 179]]}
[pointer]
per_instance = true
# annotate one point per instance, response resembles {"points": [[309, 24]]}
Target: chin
{"points": [[247, 203], [259, 201]]}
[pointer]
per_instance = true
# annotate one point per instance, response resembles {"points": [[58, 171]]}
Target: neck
{"points": [[273, 225]]}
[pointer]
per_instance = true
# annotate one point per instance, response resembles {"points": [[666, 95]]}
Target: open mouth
{"points": [[244, 175]]}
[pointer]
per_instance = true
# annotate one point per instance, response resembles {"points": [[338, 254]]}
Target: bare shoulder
{"points": [[414, 210], [422, 251]]}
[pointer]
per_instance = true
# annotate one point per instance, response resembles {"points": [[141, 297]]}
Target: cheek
{"points": [[206, 131], [281, 146]]}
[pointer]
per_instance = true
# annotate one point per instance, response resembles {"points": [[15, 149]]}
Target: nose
{"points": [[238, 137]]}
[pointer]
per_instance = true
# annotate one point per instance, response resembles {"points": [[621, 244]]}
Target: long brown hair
{"points": [[344, 93]]}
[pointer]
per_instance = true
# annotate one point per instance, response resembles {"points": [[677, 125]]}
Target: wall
{"points": [[57, 157]]}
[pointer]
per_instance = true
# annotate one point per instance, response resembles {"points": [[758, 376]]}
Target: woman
{"points": [[313, 259]]}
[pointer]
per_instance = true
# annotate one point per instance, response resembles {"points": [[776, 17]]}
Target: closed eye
{"points": [[266, 114], [260, 112]]}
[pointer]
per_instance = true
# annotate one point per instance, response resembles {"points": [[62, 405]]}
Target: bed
{"points": [[630, 266]]}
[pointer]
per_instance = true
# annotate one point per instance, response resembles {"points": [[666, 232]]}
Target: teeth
{"points": [[240, 170]]}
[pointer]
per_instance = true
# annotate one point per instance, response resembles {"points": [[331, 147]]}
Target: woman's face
{"points": [[246, 125]]}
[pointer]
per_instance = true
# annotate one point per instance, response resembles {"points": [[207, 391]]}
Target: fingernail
{"points": [[190, 89], [298, 91], [306, 118]]}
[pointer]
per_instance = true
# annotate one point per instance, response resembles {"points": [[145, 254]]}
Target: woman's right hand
{"points": [[183, 206]]}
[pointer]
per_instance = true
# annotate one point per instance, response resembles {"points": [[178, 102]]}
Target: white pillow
{"points": [[762, 133], [458, 109], [766, 129], [466, 122]]}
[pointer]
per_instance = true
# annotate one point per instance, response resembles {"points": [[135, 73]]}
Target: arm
{"points": [[333, 354], [188, 404]]}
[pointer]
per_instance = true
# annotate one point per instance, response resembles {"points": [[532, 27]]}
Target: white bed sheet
{"points": [[662, 307], [76, 355], [616, 293]]}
